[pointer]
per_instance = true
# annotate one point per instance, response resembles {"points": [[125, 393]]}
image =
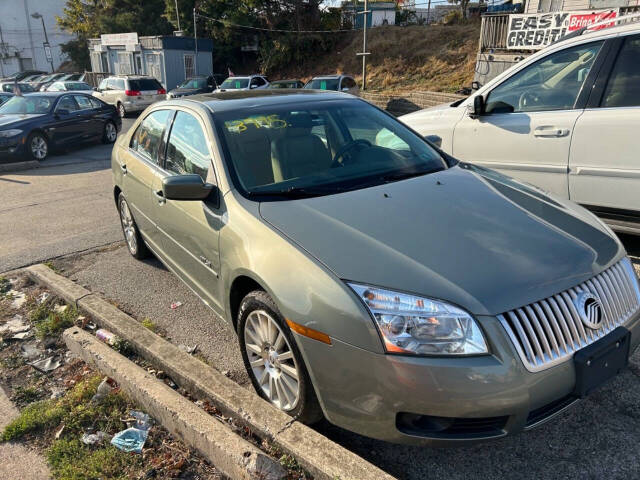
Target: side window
{"points": [[258, 82], [111, 83], [365, 127], [95, 102], [148, 137], [623, 87], [187, 150], [103, 85], [119, 84], [348, 82], [67, 103], [83, 102], [552, 83]]}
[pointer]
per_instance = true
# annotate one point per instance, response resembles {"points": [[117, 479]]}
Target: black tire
{"points": [[109, 132], [40, 153], [137, 248], [307, 409], [121, 110]]}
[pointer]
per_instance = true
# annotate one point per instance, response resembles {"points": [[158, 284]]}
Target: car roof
{"points": [[234, 100], [50, 94]]}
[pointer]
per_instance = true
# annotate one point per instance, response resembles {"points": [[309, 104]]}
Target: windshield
{"points": [[235, 83], [77, 86], [320, 148], [30, 104], [323, 84], [194, 83]]}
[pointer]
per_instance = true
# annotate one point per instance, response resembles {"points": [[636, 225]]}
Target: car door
{"points": [[141, 167], [70, 124], [93, 123], [191, 229], [526, 128], [604, 163]]}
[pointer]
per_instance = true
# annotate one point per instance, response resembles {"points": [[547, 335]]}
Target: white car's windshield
{"points": [[321, 147], [34, 104], [235, 83]]}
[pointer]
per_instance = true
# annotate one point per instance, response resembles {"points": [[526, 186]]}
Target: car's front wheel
{"points": [[272, 358], [110, 132], [132, 236], [37, 146]]}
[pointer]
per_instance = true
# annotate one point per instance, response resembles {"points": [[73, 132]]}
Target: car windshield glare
{"points": [[323, 84], [30, 104], [77, 86], [235, 83], [320, 148]]}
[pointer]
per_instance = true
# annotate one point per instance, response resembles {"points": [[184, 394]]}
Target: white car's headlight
{"points": [[421, 326], [10, 133]]}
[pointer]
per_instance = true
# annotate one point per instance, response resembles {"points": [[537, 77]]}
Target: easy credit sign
{"points": [[537, 30]]}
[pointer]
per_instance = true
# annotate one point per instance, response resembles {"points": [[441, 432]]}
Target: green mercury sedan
{"points": [[371, 278]]}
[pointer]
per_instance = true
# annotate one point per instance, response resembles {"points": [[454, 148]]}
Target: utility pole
{"points": [[178, 16], [195, 37], [47, 46], [428, 11], [364, 52]]}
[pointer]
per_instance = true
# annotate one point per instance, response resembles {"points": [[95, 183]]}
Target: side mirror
{"points": [[435, 139], [475, 85], [186, 187], [478, 106]]}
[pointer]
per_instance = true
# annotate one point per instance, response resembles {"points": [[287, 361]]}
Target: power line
{"points": [[276, 30]]}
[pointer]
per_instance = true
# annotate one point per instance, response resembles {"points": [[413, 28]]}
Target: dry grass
{"points": [[437, 58]]}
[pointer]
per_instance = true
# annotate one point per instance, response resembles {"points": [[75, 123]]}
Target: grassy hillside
{"points": [[438, 58]]}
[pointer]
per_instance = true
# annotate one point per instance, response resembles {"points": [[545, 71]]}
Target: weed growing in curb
{"points": [[50, 323], [149, 324], [51, 266], [26, 394], [5, 286]]}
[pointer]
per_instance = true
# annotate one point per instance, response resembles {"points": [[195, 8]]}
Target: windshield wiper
{"points": [[404, 174], [300, 192]]}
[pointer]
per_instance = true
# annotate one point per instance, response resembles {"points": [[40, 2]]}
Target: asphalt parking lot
{"points": [[597, 438]]}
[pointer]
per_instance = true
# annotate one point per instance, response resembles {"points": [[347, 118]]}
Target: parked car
{"points": [[9, 87], [71, 77], [20, 75], [130, 93], [565, 119], [66, 86], [33, 124], [287, 84], [47, 80], [250, 82], [371, 278], [337, 83], [4, 97], [192, 86]]}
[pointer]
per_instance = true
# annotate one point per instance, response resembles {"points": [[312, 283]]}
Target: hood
{"points": [[466, 235], [438, 109], [17, 118], [185, 91]]}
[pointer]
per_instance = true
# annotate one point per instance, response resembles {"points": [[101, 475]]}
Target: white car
{"points": [[566, 119], [249, 82]]}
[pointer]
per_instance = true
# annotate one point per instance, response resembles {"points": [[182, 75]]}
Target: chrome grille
{"points": [[548, 332]]}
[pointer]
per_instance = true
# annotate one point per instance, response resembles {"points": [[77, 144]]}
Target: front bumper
{"points": [[12, 148], [489, 396]]}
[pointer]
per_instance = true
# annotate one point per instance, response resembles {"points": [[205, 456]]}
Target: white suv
{"points": [[566, 119], [249, 82]]}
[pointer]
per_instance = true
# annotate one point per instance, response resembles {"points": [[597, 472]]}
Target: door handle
{"points": [[123, 167], [550, 132], [160, 196]]}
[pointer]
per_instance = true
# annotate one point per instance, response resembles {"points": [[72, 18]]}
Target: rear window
{"points": [[323, 84], [144, 84]]}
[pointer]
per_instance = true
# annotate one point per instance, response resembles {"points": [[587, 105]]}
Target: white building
{"points": [[22, 37]]}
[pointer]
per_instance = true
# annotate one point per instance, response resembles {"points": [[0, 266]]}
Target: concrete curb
{"points": [[321, 457], [17, 166], [229, 452]]}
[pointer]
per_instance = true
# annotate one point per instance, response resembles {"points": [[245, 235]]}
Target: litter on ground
{"points": [[46, 365], [130, 440], [15, 325], [175, 305]]}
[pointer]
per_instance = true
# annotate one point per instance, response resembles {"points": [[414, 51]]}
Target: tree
{"points": [[464, 4]]}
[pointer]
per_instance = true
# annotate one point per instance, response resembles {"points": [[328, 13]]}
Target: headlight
{"points": [[420, 326], [10, 133]]}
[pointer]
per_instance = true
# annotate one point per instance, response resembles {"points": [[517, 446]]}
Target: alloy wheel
{"points": [[39, 147], [128, 226], [110, 132], [272, 361]]}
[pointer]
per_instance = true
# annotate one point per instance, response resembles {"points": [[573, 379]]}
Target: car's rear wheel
{"points": [[37, 146], [272, 359], [121, 110], [110, 132], [137, 248]]}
